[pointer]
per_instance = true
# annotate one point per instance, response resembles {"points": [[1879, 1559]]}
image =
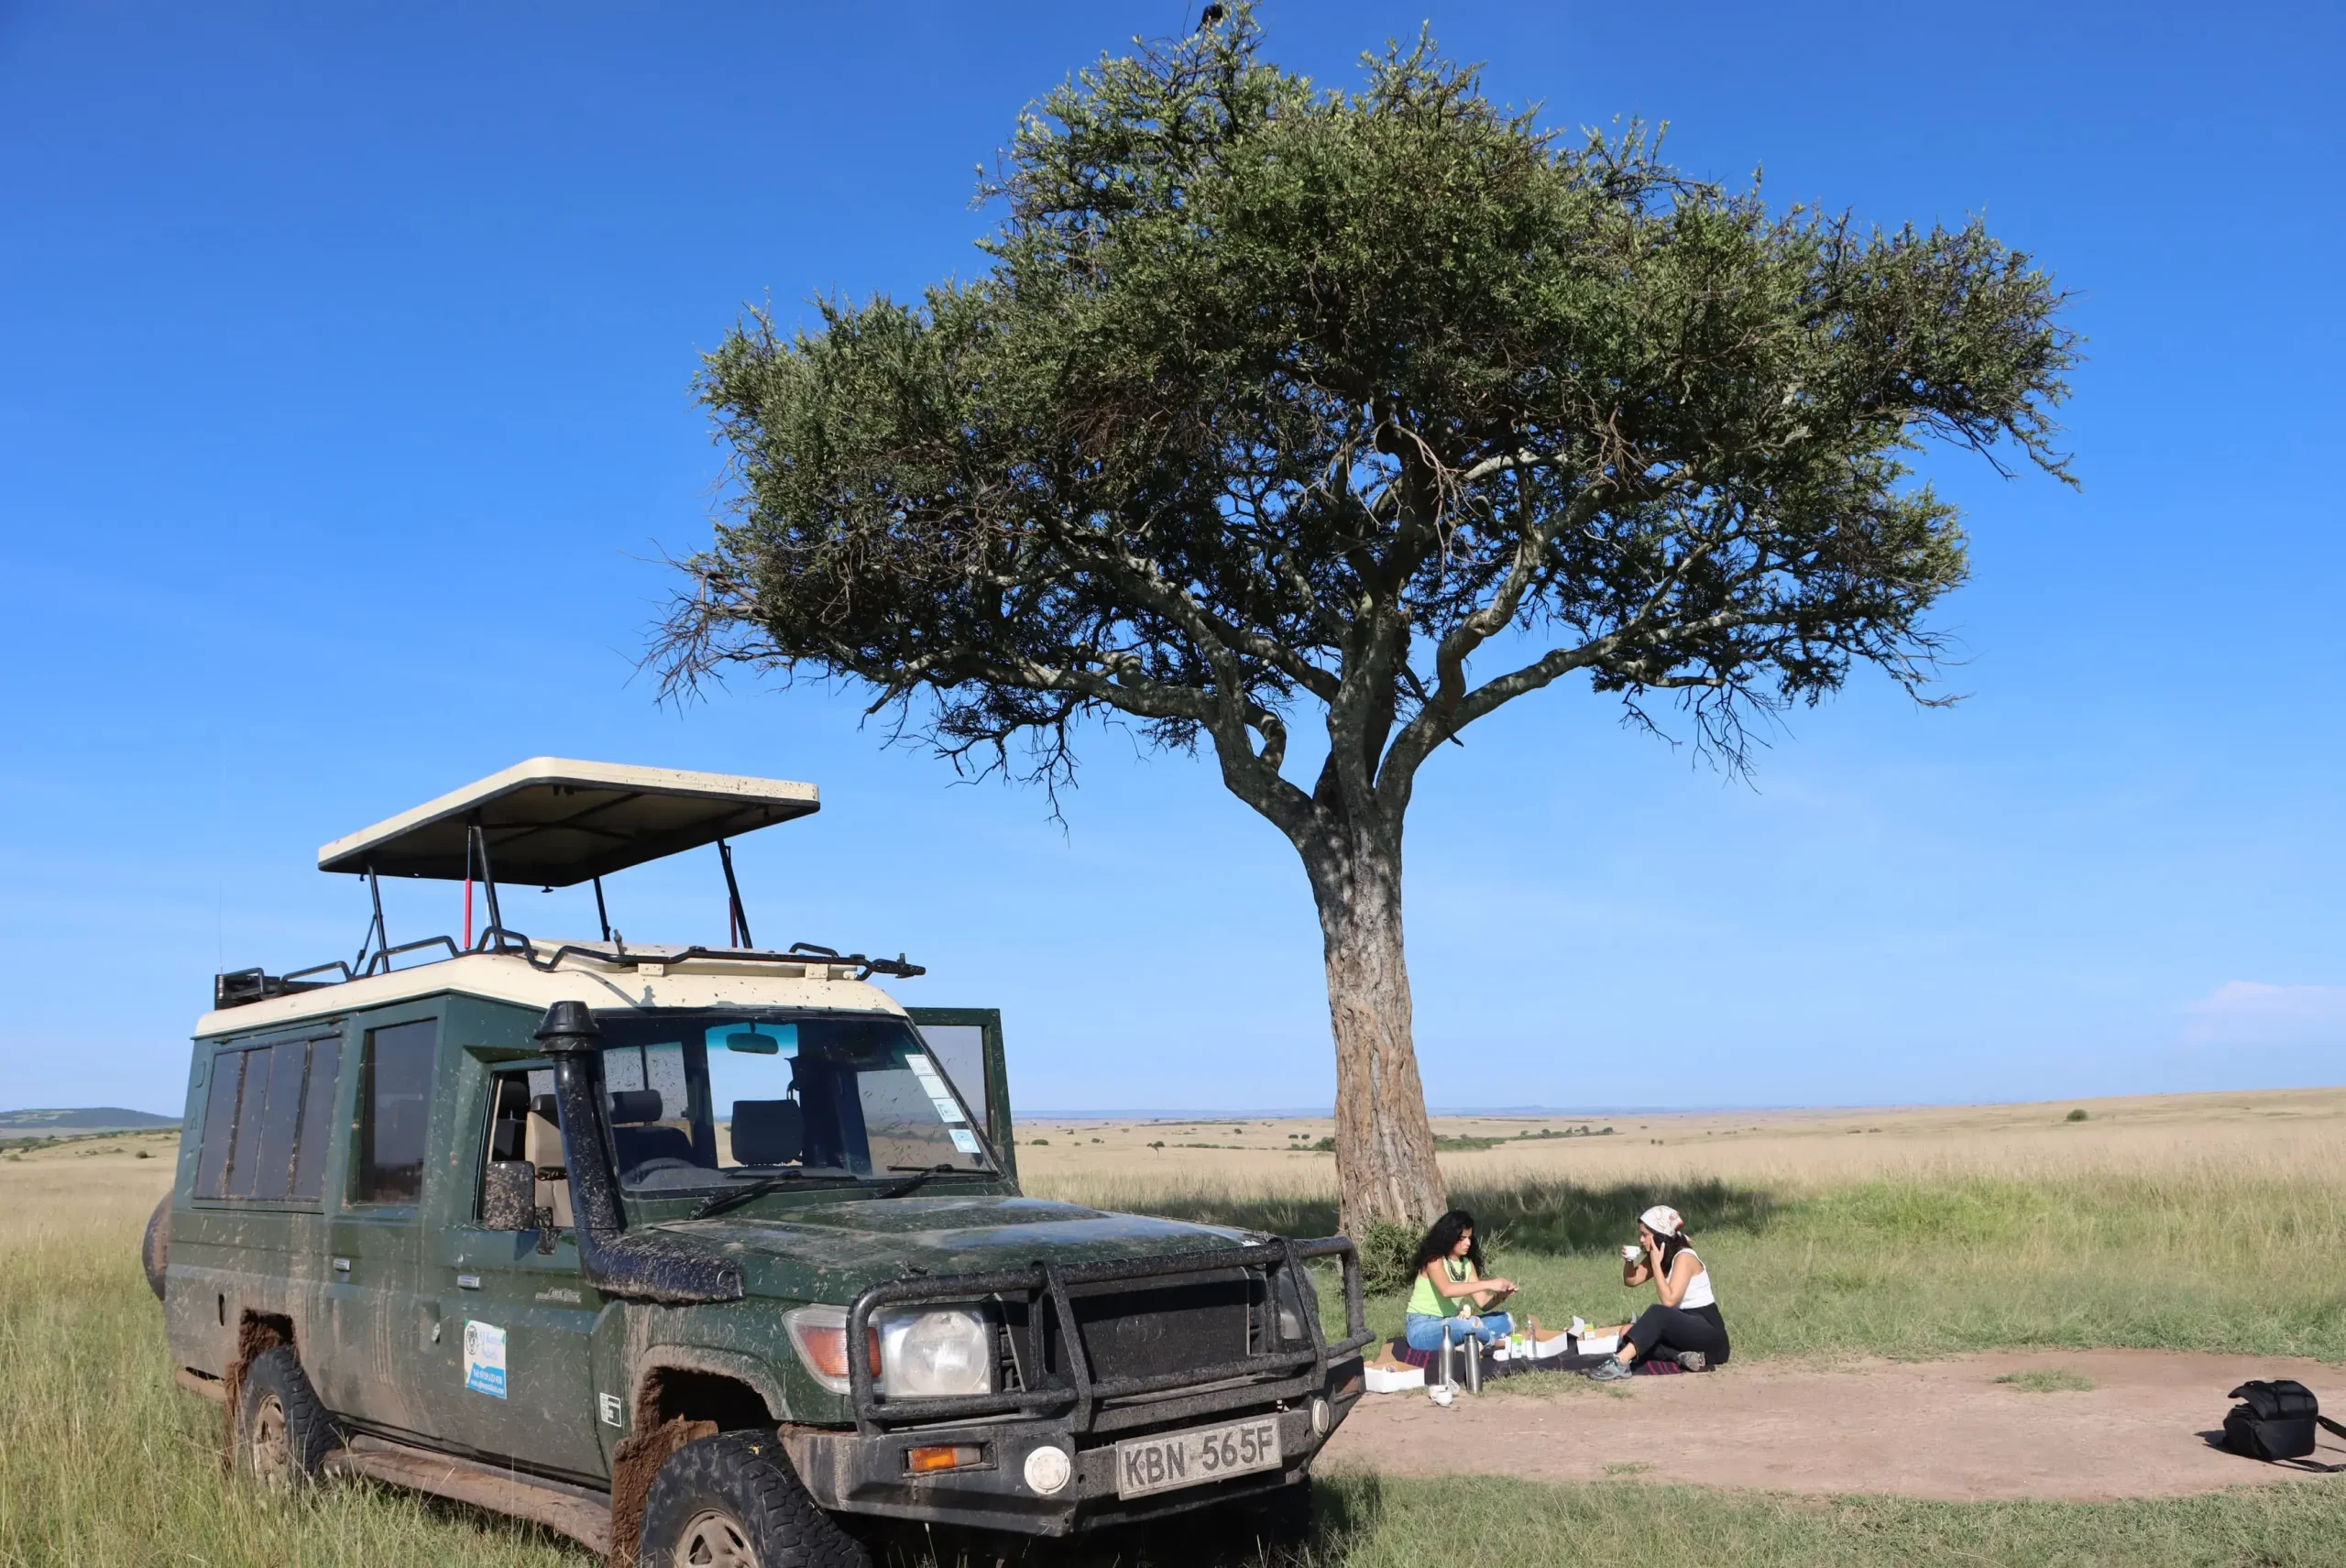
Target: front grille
{"points": [[1192, 1327], [1146, 1334], [1143, 1328]]}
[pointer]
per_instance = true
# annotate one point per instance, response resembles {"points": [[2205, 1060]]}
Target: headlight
{"points": [[936, 1350], [915, 1351]]}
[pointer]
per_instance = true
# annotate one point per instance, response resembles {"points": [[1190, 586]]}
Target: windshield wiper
{"points": [[717, 1204], [922, 1173]]}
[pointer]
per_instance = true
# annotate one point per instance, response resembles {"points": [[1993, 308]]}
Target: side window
{"points": [[219, 1124], [394, 1111], [268, 1116], [317, 1119], [268, 1121], [523, 1128]]}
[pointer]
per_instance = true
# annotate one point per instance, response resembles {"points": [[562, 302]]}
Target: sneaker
{"points": [[1693, 1360], [1612, 1369]]}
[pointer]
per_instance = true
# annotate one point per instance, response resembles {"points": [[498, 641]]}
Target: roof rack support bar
{"points": [[602, 914], [737, 919], [478, 844], [375, 937]]}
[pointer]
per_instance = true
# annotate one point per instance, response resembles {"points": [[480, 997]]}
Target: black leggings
{"points": [[1665, 1331]]}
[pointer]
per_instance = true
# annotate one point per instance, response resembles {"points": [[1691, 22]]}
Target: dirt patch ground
{"points": [[1939, 1428]]}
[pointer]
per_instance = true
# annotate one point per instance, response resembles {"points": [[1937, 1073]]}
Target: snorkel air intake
{"points": [[639, 1267]]}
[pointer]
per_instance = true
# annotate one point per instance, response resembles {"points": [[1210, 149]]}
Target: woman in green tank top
{"points": [[1450, 1297]]}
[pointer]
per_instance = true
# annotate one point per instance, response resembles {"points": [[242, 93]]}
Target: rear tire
{"points": [[155, 1246], [283, 1434], [733, 1501]]}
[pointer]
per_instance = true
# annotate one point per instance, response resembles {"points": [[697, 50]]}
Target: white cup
{"points": [[1631, 1253]]}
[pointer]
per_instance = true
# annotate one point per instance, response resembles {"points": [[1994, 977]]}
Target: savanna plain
{"points": [[2198, 1224]]}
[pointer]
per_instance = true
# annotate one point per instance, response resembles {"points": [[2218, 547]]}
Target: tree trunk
{"points": [[1385, 1157]]}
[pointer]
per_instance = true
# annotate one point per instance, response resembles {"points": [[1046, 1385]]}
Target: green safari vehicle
{"points": [[694, 1254]]}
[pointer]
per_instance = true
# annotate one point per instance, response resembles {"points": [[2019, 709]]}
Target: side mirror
{"points": [[509, 1196]]}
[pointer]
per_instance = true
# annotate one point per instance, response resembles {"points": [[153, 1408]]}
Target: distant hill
{"points": [[86, 1119]]}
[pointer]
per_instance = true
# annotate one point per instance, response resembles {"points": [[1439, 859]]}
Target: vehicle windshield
{"points": [[706, 1100]]}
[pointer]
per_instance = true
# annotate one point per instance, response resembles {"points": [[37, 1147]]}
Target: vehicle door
{"points": [[966, 1042], [516, 1360], [380, 1331]]}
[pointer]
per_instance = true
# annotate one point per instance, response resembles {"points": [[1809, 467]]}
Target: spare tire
{"points": [[155, 1248]]}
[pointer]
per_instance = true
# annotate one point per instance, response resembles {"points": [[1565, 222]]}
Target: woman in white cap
{"points": [[1685, 1326]]}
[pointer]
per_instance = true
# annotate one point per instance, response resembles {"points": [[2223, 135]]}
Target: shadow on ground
{"points": [[1557, 1217], [1205, 1540]]}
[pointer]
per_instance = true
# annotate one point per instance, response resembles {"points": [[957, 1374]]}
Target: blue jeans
{"points": [[1423, 1331]]}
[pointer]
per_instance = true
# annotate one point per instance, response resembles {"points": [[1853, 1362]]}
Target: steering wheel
{"points": [[660, 1163]]}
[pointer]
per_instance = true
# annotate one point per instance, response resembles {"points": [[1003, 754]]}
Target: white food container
{"points": [[1394, 1379]]}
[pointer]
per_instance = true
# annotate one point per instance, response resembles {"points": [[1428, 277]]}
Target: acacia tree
{"points": [[1367, 411]]}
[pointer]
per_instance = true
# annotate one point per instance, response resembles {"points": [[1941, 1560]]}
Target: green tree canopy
{"points": [[1374, 409]]}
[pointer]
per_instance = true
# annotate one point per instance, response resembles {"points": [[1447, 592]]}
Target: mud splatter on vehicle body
{"points": [[586, 1230]]}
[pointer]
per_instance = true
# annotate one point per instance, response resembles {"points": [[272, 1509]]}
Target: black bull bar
{"points": [[1046, 1288]]}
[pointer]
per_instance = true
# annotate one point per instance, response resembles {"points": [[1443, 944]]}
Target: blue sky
{"points": [[346, 413]]}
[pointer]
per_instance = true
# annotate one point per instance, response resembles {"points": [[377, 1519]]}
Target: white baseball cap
{"points": [[1661, 1220]]}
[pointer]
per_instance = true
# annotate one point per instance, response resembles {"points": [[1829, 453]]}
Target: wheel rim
{"points": [[714, 1541], [272, 1456]]}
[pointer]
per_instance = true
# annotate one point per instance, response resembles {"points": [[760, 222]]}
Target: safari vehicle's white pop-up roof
{"points": [[554, 822]]}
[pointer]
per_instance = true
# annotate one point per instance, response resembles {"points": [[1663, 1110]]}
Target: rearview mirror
{"points": [[756, 1039]]}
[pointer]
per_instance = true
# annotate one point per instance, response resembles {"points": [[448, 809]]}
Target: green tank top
{"points": [[1432, 1303]]}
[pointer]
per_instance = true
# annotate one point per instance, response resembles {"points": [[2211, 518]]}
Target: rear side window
{"points": [[220, 1123], [317, 1120], [268, 1113], [394, 1111]]}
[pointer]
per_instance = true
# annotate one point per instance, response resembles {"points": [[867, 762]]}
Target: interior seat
{"points": [[768, 1132]]}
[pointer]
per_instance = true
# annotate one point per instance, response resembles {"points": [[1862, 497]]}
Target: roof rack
{"points": [[556, 822], [238, 987]]}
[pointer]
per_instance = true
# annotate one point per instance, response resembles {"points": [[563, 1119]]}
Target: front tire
{"points": [[733, 1501], [283, 1434]]}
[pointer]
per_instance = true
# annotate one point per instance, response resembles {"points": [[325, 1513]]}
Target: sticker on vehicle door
{"points": [[485, 1359]]}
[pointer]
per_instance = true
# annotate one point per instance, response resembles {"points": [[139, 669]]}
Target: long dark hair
{"points": [[1444, 1236], [1672, 1245]]}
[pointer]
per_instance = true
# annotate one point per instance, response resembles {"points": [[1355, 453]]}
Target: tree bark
{"points": [[1384, 1156]]}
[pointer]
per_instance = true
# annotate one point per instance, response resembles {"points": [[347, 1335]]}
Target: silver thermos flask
{"points": [[1474, 1365], [1449, 1379]]}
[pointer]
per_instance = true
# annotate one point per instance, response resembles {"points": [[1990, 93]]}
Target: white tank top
{"points": [[1698, 1289]]}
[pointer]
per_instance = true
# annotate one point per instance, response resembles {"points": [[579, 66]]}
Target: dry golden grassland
{"points": [[1789, 1151], [2215, 1222]]}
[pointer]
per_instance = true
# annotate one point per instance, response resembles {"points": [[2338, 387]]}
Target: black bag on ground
{"points": [[2275, 1420]]}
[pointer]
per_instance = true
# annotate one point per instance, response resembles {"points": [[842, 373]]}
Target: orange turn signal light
{"points": [[943, 1456], [827, 1348]]}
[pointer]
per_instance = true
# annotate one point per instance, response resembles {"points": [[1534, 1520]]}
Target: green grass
{"points": [[2187, 1261], [2049, 1380], [104, 1463], [1404, 1524]]}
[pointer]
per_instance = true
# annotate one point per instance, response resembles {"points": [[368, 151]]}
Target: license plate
{"points": [[1146, 1464]]}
